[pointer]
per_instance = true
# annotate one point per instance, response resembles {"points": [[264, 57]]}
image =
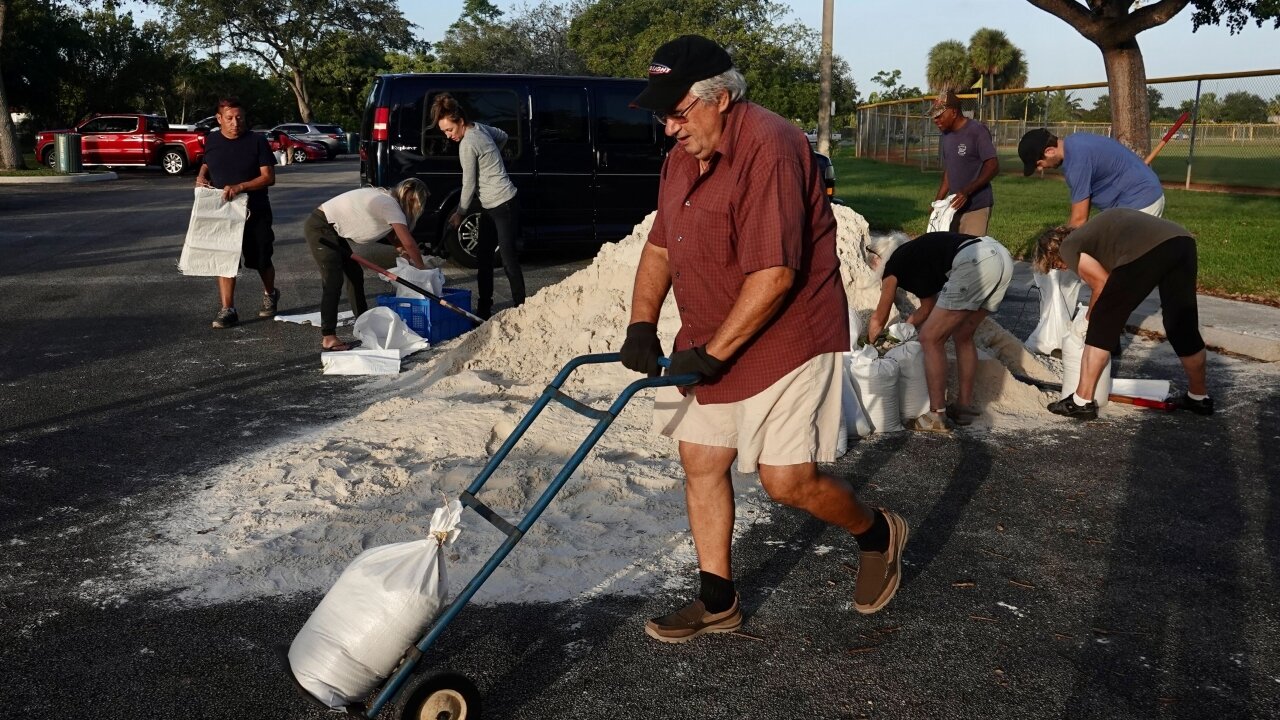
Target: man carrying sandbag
{"points": [[745, 236], [241, 162]]}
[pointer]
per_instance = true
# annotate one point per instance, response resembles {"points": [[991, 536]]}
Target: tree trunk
{"points": [[10, 154], [299, 85], [1127, 82]]}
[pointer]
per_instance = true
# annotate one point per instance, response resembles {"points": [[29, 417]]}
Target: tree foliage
{"points": [[292, 39], [990, 53], [534, 40], [948, 66], [889, 79], [1114, 25], [778, 59]]}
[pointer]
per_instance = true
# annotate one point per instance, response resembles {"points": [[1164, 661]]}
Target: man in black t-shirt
{"points": [[240, 161]]}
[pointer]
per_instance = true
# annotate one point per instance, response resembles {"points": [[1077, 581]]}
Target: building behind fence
{"points": [[1207, 150]]}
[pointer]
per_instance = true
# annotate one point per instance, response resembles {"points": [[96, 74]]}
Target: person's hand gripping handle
{"points": [[641, 350]]}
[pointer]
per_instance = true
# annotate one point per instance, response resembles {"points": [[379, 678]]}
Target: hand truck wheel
{"points": [[443, 696]]}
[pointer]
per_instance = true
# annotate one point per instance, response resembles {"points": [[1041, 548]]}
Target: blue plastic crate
{"points": [[428, 318]]}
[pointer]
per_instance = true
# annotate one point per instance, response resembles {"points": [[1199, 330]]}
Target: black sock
{"points": [[717, 593], [876, 538]]}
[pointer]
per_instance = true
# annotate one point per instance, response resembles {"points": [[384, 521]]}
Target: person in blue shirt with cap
{"points": [[1100, 172]]}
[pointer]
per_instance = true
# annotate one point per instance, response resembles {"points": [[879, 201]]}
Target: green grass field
{"points": [[1238, 236], [33, 168]]}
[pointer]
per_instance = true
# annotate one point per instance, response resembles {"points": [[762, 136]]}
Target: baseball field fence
{"points": [[1231, 138]]}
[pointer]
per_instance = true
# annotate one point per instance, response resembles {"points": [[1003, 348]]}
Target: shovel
{"points": [[1164, 405], [396, 278]]}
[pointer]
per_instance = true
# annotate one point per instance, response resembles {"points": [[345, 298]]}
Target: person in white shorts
{"points": [[959, 279]]}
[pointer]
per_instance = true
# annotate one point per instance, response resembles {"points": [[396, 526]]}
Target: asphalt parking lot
{"points": [[1118, 569]]}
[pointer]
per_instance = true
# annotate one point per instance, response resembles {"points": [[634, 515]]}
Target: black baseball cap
{"points": [[1031, 148], [676, 66]]}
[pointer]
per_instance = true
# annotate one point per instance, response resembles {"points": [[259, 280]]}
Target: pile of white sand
{"points": [[290, 518]]}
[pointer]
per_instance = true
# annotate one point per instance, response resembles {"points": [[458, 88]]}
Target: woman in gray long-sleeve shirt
{"points": [[485, 186]]}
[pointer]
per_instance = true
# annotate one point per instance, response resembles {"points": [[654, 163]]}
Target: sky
{"points": [[874, 35]]}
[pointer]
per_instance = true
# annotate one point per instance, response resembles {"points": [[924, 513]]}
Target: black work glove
{"points": [[696, 360], [641, 350]]}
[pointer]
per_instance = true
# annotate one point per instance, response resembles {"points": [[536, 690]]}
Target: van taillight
{"points": [[381, 118]]}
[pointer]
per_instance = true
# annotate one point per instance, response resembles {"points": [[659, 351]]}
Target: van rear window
{"points": [[497, 108], [618, 123]]}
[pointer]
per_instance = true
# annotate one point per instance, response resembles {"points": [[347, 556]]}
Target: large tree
{"points": [[1114, 26], [292, 39], [10, 153]]}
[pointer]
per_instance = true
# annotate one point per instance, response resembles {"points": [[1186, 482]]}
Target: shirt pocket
{"points": [[712, 240]]}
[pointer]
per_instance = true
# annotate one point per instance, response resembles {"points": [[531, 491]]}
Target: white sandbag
{"points": [[376, 610], [1072, 350], [383, 329], [215, 235], [913, 388], [1059, 292], [361, 361], [855, 328], [942, 215], [431, 280], [853, 416], [876, 381]]}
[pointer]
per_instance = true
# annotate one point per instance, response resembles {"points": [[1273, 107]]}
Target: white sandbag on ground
{"points": [[1072, 350], [376, 610], [1059, 291], [855, 417], [361, 361], [913, 389], [1140, 388], [876, 380]]}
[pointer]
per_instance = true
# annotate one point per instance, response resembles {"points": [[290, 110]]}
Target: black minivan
{"points": [[585, 163]]}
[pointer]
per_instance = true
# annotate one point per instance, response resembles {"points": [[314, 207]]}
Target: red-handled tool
{"points": [[1167, 136]]}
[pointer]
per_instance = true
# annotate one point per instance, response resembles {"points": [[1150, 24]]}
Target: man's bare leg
{"points": [[709, 497]]}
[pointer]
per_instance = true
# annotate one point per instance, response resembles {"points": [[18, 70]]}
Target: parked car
{"points": [[128, 140], [330, 136], [299, 150], [812, 135]]}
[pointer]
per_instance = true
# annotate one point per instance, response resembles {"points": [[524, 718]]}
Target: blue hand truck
{"points": [[452, 696]]}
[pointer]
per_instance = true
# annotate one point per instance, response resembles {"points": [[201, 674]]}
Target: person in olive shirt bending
{"points": [[1124, 254], [241, 162]]}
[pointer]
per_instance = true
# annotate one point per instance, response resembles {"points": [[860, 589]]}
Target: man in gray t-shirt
{"points": [[968, 165]]}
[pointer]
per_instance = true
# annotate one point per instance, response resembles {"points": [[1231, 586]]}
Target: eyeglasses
{"points": [[679, 116]]}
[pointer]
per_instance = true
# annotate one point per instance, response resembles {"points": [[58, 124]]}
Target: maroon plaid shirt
{"points": [[762, 204]]}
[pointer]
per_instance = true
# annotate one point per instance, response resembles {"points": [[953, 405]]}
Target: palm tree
{"points": [[1064, 106], [949, 66], [1014, 74], [990, 52]]}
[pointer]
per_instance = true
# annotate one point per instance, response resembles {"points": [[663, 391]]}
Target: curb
{"points": [[57, 179], [1230, 341]]}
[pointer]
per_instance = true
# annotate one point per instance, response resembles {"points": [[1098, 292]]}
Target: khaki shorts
{"points": [[979, 277], [973, 222], [795, 420]]}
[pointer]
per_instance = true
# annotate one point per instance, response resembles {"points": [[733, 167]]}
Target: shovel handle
{"points": [[425, 293]]}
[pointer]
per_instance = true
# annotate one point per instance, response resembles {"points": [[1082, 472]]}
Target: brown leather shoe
{"points": [[880, 573], [693, 620]]}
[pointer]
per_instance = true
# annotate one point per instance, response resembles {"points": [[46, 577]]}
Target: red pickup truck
{"points": [[129, 139]]}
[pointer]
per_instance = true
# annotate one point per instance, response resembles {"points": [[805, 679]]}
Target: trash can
{"points": [[353, 142], [66, 148]]}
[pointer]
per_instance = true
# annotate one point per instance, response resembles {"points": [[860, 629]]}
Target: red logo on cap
{"points": [[656, 69]]}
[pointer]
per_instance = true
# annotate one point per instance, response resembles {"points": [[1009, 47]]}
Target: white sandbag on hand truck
{"points": [[376, 610]]}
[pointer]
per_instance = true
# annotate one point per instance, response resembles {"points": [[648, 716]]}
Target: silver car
{"points": [[330, 136]]}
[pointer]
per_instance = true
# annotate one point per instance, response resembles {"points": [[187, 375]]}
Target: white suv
{"points": [[331, 136]]}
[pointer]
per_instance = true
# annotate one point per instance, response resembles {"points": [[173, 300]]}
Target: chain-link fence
{"points": [[1231, 136]]}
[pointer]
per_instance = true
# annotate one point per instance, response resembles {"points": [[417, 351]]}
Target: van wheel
{"points": [[463, 242], [173, 161]]}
